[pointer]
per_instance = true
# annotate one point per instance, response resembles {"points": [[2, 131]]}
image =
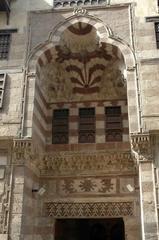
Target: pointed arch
{"points": [[42, 54]]}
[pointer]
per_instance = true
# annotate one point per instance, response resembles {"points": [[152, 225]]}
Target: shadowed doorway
{"points": [[90, 229]]}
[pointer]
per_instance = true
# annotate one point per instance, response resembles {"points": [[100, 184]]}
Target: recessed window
{"points": [[86, 132], [113, 124], [157, 33], [60, 126], [4, 45]]}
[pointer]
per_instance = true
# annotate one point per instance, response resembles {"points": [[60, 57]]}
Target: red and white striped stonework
{"points": [[100, 119], [40, 118]]}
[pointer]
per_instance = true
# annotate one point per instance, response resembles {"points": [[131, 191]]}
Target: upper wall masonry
{"points": [[45, 22]]}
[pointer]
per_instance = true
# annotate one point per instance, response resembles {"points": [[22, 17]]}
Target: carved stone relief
{"points": [[87, 186], [73, 162], [5, 192], [142, 145], [62, 163], [87, 209]]}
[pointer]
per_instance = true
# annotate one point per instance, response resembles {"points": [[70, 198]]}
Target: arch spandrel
{"points": [[104, 32]]}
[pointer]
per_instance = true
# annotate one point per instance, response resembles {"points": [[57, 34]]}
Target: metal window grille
{"points": [[4, 45], [2, 86], [113, 124], [86, 132], [157, 33], [60, 126]]}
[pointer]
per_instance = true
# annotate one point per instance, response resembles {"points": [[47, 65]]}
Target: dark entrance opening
{"points": [[90, 229]]}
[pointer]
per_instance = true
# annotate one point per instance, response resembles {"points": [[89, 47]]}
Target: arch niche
{"points": [[86, 52]]}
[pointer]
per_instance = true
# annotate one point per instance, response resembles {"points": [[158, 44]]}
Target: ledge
{"points": [[152, 19]]}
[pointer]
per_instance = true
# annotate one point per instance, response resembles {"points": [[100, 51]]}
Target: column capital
{"points": [[25, 153], [141, 143], [22, 149]]}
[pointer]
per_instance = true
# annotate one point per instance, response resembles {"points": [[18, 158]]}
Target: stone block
{"points": [[3, 236], [16, 221], [100, 125], [127, 185], [2, 173], [3, 159], [1, 188], [17, 208], [18, 189], [100, 139], [146, 176], [73, 139], [14, 236], [19, 180], [125, 137]]}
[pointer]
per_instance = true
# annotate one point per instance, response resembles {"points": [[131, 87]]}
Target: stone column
{"points": [[142, 149]]}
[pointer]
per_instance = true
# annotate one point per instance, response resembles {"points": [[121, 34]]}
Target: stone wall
{"points": [[20, 47]]}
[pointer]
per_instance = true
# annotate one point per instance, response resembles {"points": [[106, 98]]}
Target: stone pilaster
{"points": [[142, 149], [5, 186], [22, 159]]}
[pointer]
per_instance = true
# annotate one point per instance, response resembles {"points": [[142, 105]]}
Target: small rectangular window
{"points": [[113, 124], [157, 33], [86, 125], [4, 45], [60, 126]]}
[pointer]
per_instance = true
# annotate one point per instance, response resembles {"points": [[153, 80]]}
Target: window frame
{"points": [[84, 126], [157, 34], [4, 45], [8, 32], [59, 123], [113, 125]]}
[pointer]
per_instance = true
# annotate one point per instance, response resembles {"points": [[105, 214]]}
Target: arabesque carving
{"points": [[89, 185], [79, 11], [101, 161], [71, 162], [87, 209]]}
